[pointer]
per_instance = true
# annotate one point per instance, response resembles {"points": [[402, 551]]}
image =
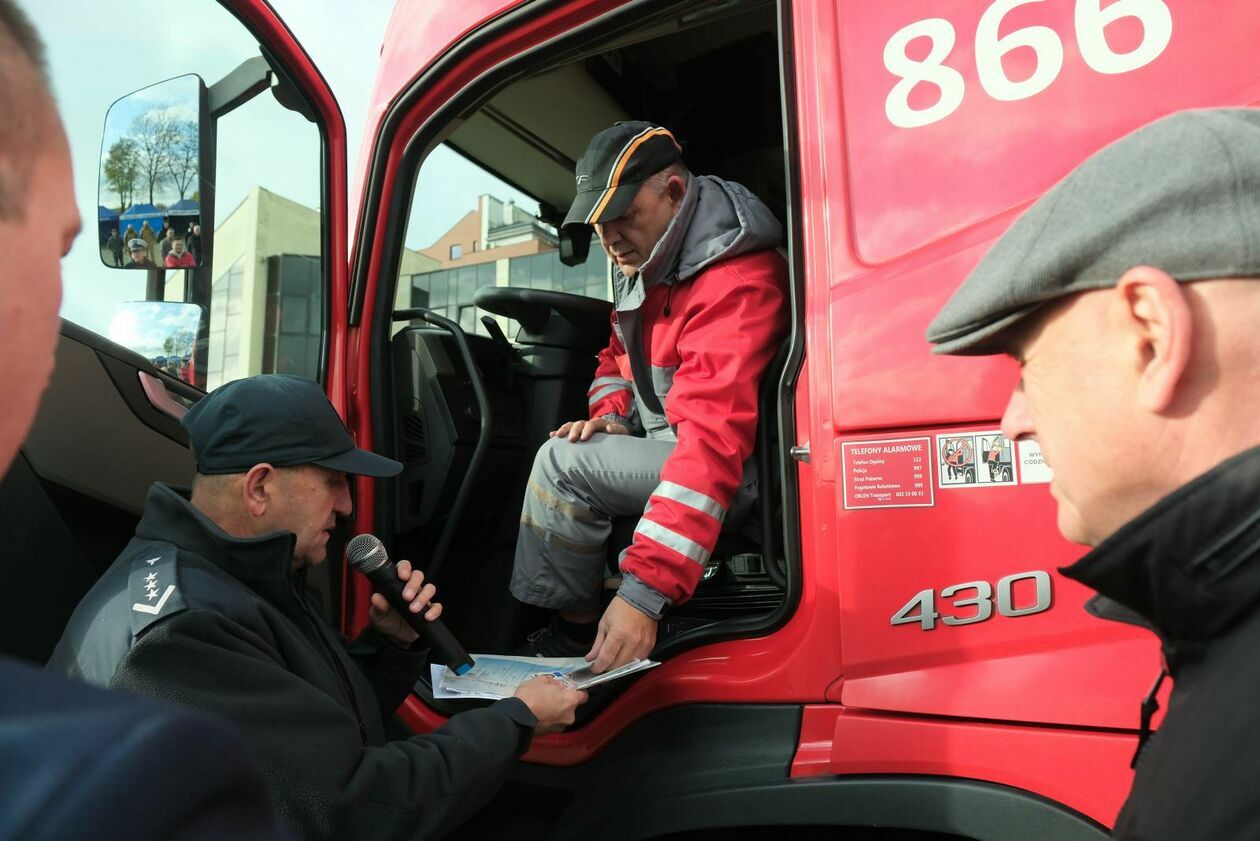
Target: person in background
{"points": [[178, 258], [79, 762], [164, 244], [138, 250], [194, 242], [150, 240], [115, 247]]}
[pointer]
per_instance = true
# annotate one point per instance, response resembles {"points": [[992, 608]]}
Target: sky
{"points": [[96, 57]]}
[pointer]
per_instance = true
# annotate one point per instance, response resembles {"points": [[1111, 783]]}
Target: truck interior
{"points": [[711, 74]]}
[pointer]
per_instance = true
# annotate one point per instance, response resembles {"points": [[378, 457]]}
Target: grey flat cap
{"points": [[1181, 194]]}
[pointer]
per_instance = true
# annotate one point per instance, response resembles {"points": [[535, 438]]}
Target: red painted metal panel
{"points": [[895, 216], [1061, 665], [419, 32], [913, 186], [1085, 770]]}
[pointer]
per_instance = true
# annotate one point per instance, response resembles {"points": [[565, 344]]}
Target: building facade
{"points": [[499, 244]]}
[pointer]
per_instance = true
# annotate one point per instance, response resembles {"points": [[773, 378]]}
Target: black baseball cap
{"points": [[613, 167], [278, 419]]}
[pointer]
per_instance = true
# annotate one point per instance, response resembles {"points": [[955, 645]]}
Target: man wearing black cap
{"points": [[699, 313], [1128, 295], [207, 608]]}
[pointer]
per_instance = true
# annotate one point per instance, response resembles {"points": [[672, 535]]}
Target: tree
{"points": [[183, 153], [122, 170], [179, 344], [153, 137]]}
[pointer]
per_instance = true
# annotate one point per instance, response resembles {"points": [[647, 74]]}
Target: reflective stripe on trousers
{"points": [[574, 492]]}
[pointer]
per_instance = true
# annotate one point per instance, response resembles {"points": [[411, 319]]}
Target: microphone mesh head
{"points": [[366, 553]]}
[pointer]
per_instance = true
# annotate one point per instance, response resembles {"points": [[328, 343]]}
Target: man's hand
{"points": [[388, 622], [552, 702], [625, 633], [582, 430]]}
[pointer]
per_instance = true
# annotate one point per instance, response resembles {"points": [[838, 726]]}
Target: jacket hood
{"points": [[1190, 564], [729, 221], [716, 221]]}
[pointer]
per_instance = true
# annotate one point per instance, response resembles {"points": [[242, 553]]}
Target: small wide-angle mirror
{"points": [[163, 332], [152, 159]]}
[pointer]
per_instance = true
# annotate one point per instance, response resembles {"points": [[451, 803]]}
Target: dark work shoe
{"points": [[553, 642]]}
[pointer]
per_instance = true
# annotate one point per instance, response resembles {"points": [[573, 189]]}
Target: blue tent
{"points": [[106, 220], [138, 214], [184, 207]]}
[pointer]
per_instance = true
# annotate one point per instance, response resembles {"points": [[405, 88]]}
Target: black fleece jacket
{"points": [[1189, 567], [192, 616]]}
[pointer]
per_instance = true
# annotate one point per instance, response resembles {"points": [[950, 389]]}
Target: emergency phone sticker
{"points": [[975, 460], [892, 473]]}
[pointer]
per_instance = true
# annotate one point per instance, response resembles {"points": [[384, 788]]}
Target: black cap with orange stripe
{"points": [[616, 163]]}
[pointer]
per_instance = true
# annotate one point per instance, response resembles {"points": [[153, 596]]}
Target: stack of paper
{"points": [[496, 676]]}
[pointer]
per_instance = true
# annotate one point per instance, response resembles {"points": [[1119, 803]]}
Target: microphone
{"points": [[367, 554]]}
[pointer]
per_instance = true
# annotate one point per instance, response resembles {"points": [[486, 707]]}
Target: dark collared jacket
{"points": [[1190, 568], [192, 616]]}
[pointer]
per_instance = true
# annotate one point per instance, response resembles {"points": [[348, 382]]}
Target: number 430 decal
{"points": [[978, 595]]}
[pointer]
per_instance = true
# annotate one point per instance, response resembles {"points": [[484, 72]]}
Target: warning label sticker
{"points": [[975, 460], [1032, 467], [893, 473]]}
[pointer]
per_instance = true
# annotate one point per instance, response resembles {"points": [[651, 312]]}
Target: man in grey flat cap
{"points": [[1127, 294]]}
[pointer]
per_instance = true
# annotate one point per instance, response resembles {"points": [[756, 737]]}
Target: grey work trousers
{"points": [[575, 490]]}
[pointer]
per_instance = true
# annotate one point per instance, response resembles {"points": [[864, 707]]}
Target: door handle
{"points": [[159, 397]]}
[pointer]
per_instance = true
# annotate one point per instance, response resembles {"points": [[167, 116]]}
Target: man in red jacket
{"points": [[179, 258], [700, 311]]}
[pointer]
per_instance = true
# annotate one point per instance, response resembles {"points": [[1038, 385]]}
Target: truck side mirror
{"points": [[164, 332], [155, 168]]}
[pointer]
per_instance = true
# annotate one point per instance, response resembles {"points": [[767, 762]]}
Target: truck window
{"points": [[262, 297], [469, 230]]}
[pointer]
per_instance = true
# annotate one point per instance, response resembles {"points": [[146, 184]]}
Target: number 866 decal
{"points": [[973, 601], [1090, 22]]}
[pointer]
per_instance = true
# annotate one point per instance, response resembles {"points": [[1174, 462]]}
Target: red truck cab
{"points": [[890, 648]]}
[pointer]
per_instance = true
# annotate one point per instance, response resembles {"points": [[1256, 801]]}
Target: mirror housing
{"points": [[575, 244], [156, 165]]}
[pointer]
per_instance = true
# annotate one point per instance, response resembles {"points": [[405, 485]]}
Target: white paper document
{"points": [[496, 676]]}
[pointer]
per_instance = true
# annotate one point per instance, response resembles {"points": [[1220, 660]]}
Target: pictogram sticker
{"points": [[975, 460]]}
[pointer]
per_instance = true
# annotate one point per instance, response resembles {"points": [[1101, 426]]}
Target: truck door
{"points": [[137, 347]]}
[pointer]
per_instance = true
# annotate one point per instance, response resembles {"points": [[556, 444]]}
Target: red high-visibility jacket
{"points": [[710, 322]]}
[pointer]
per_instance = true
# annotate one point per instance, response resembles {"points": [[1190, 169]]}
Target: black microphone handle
{"points": [[446, 649]]}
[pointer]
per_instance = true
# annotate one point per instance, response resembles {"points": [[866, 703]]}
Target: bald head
{"points": [[1135, 390], [25, 101], [38, 223]]}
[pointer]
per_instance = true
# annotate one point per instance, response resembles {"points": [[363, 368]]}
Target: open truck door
{"points": [[265, 292]]}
